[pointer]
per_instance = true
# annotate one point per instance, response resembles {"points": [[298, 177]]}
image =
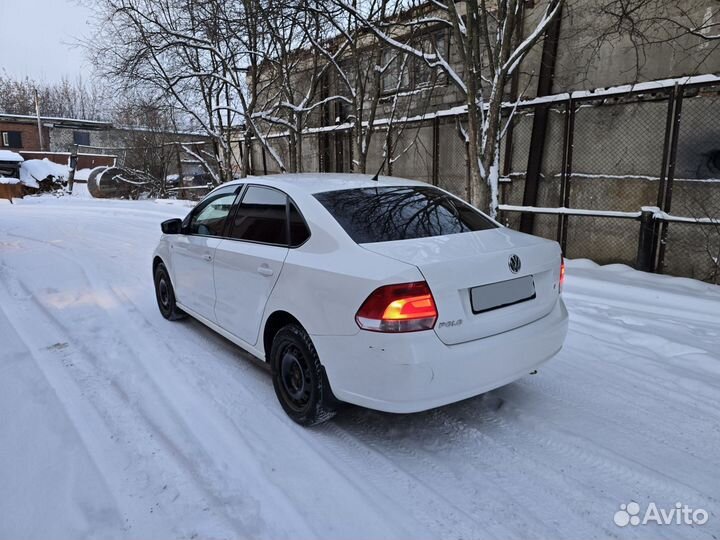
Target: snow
{"points": [[657, 213], [119, 424], [568, 211], [610, 91], [6, 180], [83, 174], [33, 171], [7, 155]]}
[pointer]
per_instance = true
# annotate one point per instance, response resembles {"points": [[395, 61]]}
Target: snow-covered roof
{"points": [[7, 155], [60, 122], [25, 118]]}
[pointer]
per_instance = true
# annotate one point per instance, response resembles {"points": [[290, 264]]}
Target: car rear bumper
{"points": [[413, 372]]}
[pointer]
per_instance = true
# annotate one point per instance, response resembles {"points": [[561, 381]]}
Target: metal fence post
{"points": [[73, 167], [540, 121], [568, 142], [671, 162], [644, 259], [436, 151]]}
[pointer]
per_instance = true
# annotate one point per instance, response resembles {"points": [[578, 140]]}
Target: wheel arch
{"points": [[157, 261], [273, 323]]}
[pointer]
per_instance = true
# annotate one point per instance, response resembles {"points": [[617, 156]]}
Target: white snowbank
{"points": [[83, 174], [33, 171], [80, 191], [6, 180], [7, 155]]}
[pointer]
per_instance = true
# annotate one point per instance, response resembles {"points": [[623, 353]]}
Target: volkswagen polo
{"points": [[387, 293]]}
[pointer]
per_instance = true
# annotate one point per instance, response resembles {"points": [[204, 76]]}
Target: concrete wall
{"points": [[591, 54]]}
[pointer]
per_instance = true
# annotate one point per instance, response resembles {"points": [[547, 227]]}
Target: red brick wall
{"points": [[30, 139]]}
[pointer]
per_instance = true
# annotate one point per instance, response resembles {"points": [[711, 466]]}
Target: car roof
{"points": [[308, 183]]}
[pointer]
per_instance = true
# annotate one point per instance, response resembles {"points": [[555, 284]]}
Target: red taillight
{"points": [[562, 274], [405, 307]]}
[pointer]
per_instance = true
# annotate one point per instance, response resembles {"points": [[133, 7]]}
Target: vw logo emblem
{"points": [[514, 263]]}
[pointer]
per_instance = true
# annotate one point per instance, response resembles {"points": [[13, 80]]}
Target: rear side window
{"points": [[261, 216], [299, 231], [383, 214]]}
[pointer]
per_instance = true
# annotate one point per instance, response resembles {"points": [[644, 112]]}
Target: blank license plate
{"points": [[501, 294]]}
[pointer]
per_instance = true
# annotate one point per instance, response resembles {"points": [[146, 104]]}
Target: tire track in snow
{"points": [[139, 329], [219, 502]]}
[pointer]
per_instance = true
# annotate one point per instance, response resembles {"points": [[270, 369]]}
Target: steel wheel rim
{"points": [[295, 378], [164, 293]]}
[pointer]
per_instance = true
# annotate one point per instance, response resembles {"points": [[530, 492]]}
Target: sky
{"points": [[36, 38]]}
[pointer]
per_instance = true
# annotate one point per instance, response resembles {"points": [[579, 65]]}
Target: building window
{"points": [[429, 44], [396, 70], [81, 138], [12, 139]]}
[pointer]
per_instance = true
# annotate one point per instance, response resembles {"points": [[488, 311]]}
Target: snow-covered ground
{"points": [[115, 423]]}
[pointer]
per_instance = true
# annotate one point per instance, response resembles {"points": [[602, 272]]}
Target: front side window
{"points": [[208, 219], [261, 217], [383, 214]]}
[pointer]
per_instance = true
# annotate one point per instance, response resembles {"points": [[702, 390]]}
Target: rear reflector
{"points": [[404, 307], [562, 274]]}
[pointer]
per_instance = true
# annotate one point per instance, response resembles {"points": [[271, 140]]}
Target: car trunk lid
{"points": [[476, 291]]}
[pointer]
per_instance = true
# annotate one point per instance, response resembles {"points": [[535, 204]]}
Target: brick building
{"points": [[20, 133], [97, 142]]}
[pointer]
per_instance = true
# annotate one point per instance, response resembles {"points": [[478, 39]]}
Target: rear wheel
{"points": [[299, 379], [166, 295]]}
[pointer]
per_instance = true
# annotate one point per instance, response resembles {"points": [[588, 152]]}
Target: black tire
{"points": [[165, 295], [299, 379]]}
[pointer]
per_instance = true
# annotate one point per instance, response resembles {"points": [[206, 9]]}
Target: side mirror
{"points": [[171, 226]]}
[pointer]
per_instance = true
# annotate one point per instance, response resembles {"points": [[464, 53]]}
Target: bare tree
{"points": [[197, 54], [78, 98], [298, 69], [364, 69], [488, 54]]}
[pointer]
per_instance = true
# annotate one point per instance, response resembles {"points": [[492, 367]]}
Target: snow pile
{"points": [[82, 175], [7, 155], [34, 171], [6, 180]]}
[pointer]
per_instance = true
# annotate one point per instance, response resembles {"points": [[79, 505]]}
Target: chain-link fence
{"points": [[602, 153]]}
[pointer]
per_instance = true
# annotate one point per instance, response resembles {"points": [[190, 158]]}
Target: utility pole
{"points": [[39, 122], [73, 166]]}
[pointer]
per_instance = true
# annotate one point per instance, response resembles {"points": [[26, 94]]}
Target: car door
{"points": [[192, 252], [248, 263]]}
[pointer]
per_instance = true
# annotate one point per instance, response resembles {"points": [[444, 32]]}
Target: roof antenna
{"points": [[375, 178]]}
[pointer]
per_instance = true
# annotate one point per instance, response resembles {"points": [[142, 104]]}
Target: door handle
{"points": [[265, 270], [207, 257]]}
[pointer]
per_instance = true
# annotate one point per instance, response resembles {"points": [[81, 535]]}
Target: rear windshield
{"points": [[383, 214]]}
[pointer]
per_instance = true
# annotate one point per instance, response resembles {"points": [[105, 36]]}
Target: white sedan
{"points": [[387, 293]]}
